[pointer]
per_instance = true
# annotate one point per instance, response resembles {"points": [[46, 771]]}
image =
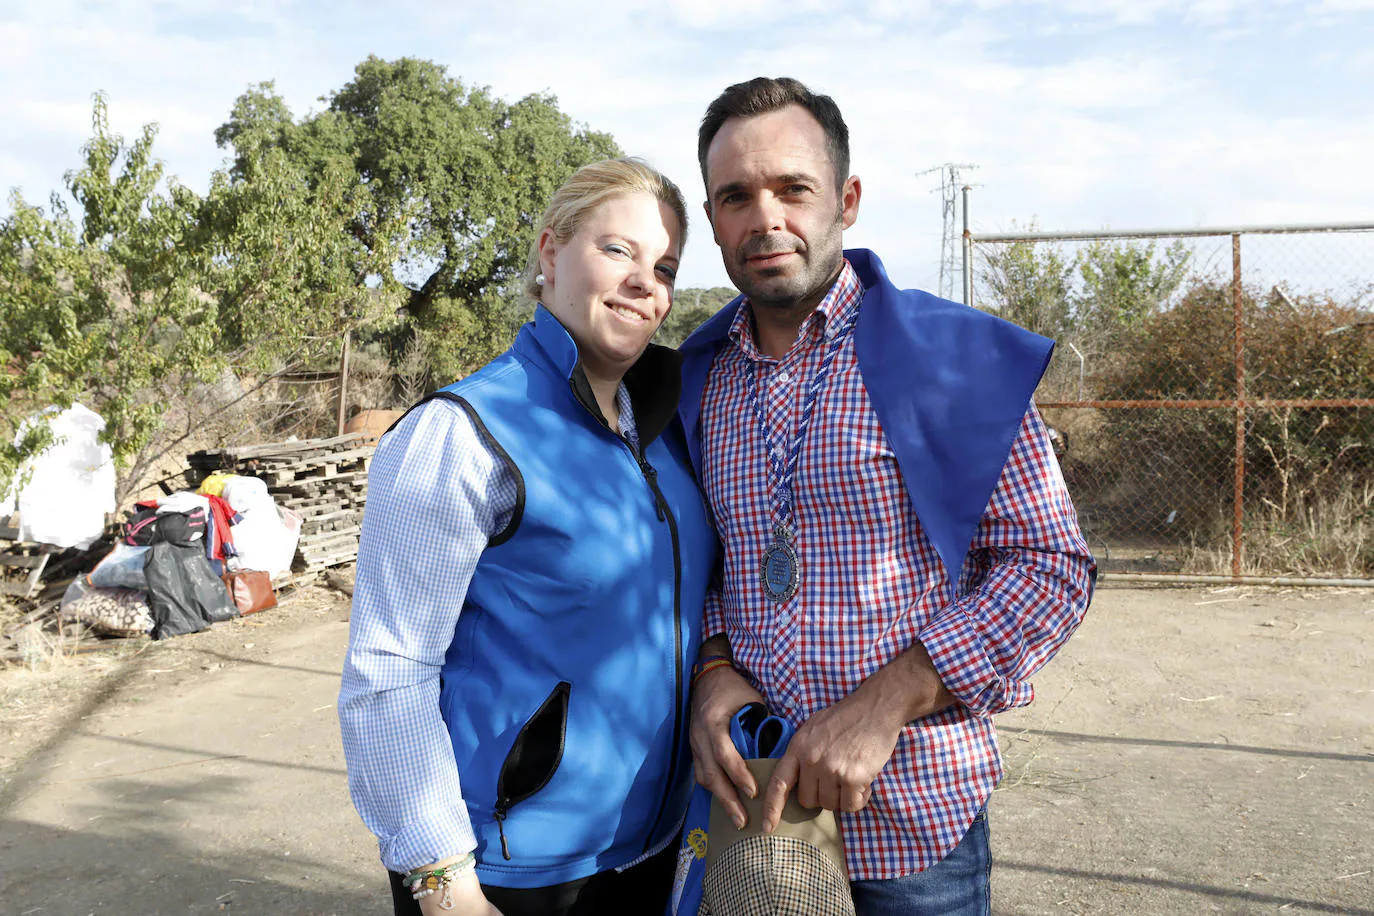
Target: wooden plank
{"points": [[329, 540], [15, 561], [271, 449], [337, 515], [328, 551], [316, 486], [324, 457], [325, 562], [35, 577], [323, 556], [42, 610]]}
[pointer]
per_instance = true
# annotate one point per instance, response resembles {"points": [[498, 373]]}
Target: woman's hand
{"points": [[465, 892]]}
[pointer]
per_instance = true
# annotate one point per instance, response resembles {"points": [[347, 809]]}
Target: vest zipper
{"points": [[665, 514], [533, 759], [502, 807]]}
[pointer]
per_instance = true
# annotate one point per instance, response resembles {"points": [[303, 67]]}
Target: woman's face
{"points": [[611, 284]]}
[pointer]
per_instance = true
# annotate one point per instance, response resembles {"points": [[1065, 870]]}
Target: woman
{"points": [[533, 560]]}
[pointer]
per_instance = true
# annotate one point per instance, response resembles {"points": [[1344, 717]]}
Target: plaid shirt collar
{"points": [[843, 300]]}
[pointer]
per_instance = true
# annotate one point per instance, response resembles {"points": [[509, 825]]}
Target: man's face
{"points": [[774, 207]]}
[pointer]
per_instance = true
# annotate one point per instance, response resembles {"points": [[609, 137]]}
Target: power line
{"points": [[950, 236]]}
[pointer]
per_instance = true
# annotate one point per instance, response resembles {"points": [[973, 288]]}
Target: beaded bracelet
{"points": [[424, 881], [710, 664]]}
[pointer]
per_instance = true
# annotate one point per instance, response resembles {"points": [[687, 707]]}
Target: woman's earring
{"points": [[539, 280]]}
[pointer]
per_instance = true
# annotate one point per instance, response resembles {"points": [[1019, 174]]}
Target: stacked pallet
{"points": [[324, 481], [21, 564]]}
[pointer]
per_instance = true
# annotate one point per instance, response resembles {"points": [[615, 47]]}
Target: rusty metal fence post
{"points": [[1238, 512]]}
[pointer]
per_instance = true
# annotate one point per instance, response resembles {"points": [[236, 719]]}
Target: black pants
{"points": [[640, 890]]}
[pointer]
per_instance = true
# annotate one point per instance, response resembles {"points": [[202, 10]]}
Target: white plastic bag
{"points": [[266, 539], [265, 536], [72, 484]]}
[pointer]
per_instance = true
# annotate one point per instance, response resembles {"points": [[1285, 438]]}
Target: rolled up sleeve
{"points": [[1025, 586], [433, 504]]}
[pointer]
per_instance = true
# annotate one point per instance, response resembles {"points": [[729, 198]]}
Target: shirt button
{"points": [[784, 377]]}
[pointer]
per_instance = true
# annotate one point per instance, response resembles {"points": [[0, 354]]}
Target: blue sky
{"points": [[1081, 114]]}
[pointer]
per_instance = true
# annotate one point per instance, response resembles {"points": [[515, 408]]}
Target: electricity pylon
{"points": [[951, 237]]}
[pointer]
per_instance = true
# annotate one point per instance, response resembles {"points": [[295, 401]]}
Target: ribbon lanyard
{"points": [[779, 573]]}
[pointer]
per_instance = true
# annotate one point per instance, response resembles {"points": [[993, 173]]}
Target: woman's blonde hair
{"points": [[590, 187]]}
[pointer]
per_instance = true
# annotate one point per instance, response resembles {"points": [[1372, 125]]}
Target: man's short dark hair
{"points": [[764, 94]]}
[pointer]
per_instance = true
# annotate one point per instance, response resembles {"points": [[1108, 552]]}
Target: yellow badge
{"points": [[697, 840]]}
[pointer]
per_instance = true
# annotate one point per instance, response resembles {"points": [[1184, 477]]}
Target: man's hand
{"points": [[716, 697], [836, 755], [832, 760]]}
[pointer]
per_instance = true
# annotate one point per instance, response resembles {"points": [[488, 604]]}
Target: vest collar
{"points": [[654, 381], [553, 339]]}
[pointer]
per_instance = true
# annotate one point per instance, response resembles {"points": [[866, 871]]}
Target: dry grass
{"points": [[1021, 754], [1329, 533]]}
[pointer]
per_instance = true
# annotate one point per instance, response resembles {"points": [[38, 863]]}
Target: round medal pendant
{"points": [[779, 570]]}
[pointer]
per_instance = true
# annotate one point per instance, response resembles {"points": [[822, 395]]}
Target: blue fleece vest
{"points": [[565, 688], [949, 384]]}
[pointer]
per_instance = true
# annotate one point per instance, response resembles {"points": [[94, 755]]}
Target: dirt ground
{"points": [[1190, 751]]}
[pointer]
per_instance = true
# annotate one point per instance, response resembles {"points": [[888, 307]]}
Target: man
{"points": [[900, 551]]}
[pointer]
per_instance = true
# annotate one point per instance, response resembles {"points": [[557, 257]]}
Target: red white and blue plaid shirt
{"points": [[872, 584]]}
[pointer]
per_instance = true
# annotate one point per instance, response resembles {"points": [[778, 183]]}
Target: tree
{"points": [[448, 181], [280, 256], [1029, 284], [106, 311], [691, 307], [1124, 282], [156, 298], [1107, 286], [404, 209]]}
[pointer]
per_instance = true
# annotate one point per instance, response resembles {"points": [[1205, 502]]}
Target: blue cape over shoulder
{"points": [[950, 386]]}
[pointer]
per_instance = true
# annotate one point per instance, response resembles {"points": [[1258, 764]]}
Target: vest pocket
{"points": [[533, 758]]}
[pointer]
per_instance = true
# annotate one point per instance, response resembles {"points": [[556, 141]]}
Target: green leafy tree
{"points": [[448, 181], [1124, 282], [105, 310], [44, 286], [1029, 284], [156, 307], [691, 307], [280, 257]]}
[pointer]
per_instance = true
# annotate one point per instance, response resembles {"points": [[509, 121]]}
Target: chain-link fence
{"points": [[1212, 394]]}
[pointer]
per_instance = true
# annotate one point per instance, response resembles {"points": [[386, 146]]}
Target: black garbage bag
{"points": [[184, 595]]}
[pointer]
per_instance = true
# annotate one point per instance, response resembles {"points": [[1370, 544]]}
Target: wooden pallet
{"points": [[29, 559], [322, 480], [215, 458], [339, 457]]}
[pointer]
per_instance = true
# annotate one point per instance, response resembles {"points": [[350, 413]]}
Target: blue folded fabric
{"points": [[757, 735], [771, 738]]}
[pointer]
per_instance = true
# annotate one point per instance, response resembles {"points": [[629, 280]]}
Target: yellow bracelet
{"points": [[424, 881], [710, 665]]}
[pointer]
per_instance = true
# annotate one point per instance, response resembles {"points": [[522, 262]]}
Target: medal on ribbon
{"points": [[780, 574], [780, 567]]}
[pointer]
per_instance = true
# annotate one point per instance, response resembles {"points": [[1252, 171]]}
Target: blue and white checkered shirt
{"points": [[436, 495]]}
